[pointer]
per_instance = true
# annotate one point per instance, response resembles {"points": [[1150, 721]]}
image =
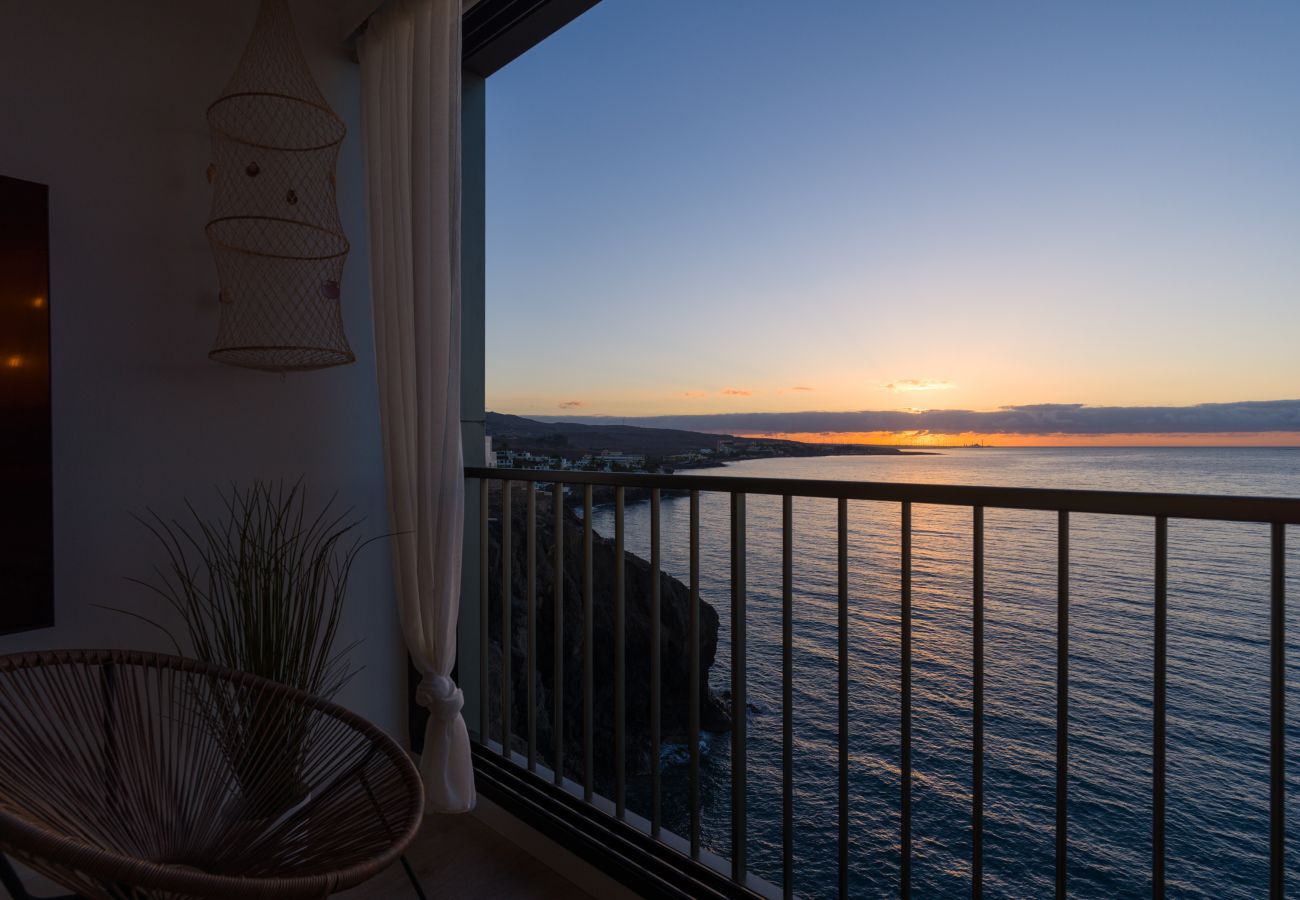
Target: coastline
{"points": [[822, 452], [603, 495]]}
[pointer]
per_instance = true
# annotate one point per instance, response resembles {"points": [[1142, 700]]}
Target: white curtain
{"points": [[410, 81]]}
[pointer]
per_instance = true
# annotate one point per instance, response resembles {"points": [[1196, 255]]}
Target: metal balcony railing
{"points": [[1160, 508]]}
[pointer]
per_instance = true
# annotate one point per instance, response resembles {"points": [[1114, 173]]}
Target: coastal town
{"points": [[515, 442], [620, 461]]}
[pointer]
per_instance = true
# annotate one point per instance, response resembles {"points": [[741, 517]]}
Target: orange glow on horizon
{"points": [[965, 439], [14, 362], [38, 303]]}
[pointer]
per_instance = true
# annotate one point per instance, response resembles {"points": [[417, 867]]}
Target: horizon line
{"points": [[1249, 422]]}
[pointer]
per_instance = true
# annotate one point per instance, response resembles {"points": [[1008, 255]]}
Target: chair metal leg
{"points": [[415, 882], [9, 878], [14, 885], [410, 872]]}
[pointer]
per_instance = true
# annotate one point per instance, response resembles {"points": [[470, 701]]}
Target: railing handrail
{"points": [[1215, 507]]}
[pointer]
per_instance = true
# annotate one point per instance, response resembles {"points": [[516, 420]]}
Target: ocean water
{"points": [[1217, 807]]}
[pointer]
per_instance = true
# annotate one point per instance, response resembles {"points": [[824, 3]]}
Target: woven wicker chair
{"points": [[126, 774]]}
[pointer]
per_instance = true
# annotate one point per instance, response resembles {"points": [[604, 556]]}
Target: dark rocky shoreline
{"points": [[674, 659]]}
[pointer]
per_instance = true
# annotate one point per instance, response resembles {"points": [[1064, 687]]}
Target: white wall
{"points": [[105, 103]]}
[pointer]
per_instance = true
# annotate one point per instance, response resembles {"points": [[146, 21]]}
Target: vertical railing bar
{"points": [[531, 659], [1158, 709], [655, 673], [843, 629], [484, 688], [1062, 697], [739, 700], [507, 645], [588, 681], [977, 711], [693, 725], [557, 611], [787, 704], [620, 661], [1277, 716], [905, 713]]}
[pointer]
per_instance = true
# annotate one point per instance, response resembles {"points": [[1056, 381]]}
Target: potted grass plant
{"points": [[260, 588]]}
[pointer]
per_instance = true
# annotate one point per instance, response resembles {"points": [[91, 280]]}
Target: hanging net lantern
{"points": [[274, 229]]}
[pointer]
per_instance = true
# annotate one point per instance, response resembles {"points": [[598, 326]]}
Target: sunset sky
{"points": [[717, 207]]}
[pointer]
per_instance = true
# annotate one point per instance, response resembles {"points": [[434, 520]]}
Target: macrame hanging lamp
{"points": [[274, 229]]}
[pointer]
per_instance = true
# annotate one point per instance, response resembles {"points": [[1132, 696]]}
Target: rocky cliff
{"points": [[674, 660]]}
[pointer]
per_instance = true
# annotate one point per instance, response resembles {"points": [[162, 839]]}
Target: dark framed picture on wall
{"points": [[26, 476]]}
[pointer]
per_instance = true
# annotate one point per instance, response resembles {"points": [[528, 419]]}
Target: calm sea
{"points": [[1218, 677]]}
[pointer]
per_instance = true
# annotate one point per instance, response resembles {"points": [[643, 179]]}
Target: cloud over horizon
{"points": [[572, 404], [919, 384], [736, 392], [1034, 419]]}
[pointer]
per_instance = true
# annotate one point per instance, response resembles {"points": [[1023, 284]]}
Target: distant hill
{"points": [[528, 434], [574, 439]]}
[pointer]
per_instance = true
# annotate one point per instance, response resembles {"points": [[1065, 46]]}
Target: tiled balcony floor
{"points": [[460, 857], [455, 857]]}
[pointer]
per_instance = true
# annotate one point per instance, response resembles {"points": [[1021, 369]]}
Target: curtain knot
{"points": [[440, 696]]}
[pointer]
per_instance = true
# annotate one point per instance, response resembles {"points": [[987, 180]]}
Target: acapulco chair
{"points": [[126, 774]]}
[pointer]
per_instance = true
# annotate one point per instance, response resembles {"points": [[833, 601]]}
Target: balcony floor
{"points": [[459, 856]]}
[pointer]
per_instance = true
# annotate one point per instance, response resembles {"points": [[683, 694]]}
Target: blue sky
{"points": [[698, 207]]}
